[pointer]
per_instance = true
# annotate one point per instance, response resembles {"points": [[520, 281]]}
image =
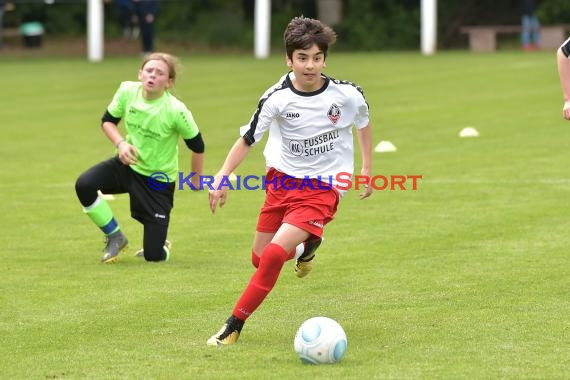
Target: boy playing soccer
{"points": [[315, 115]]}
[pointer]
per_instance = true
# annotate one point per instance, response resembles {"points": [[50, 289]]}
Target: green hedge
{"points": [[366, 24]]}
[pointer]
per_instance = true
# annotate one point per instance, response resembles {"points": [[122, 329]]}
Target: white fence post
{"points": [[95, 30], [429, 26], [262, 28]]}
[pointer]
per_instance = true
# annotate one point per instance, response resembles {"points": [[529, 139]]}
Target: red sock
{"points": [[262, 281], [255, 259]]}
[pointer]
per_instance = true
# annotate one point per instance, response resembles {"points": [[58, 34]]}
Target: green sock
{"points": [[101, 214], [166, 252]]}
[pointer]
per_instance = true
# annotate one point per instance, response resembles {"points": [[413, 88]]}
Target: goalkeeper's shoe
{"points": [[228, 334], [304, 263], [114, 244], [167, 246]]}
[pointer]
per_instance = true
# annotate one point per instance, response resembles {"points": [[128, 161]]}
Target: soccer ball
{"points": [[320, 340]]}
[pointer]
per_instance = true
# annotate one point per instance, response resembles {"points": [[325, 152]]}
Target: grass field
{"points": [[465, 278]]}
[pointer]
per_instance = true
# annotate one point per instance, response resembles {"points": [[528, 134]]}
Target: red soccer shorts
{"points": [[296, 202]]}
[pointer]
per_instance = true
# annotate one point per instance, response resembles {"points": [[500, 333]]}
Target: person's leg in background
{"points": [[146, 24]]}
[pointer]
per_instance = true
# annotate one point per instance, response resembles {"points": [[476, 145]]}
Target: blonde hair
{"points": [[171, 61]]}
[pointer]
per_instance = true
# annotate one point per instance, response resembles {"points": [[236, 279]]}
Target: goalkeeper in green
{"points": [[146, 163]]}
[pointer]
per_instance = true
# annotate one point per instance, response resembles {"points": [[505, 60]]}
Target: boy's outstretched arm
{"points": [[238, 152], [564, 74], [365, 142]]}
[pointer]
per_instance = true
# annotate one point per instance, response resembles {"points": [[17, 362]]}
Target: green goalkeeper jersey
{"points": [[153, 127]]}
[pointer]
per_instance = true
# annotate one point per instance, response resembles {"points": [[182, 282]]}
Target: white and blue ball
{"points": [[320, 340]]}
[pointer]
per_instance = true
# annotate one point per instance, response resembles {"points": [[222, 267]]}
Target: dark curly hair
{"points": [[302, 32]]}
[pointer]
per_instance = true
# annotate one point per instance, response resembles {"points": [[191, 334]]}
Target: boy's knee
{"points": [[274, 254]]}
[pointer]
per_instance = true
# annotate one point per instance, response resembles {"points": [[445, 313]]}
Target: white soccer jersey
{"points": [[272, 150], [315, 128]]}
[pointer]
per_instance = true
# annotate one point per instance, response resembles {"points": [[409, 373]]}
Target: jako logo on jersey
{"points": [[334, 113], [292, 115]]}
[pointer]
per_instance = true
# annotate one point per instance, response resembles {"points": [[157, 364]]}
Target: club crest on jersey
{"points": [[334, 113]]}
